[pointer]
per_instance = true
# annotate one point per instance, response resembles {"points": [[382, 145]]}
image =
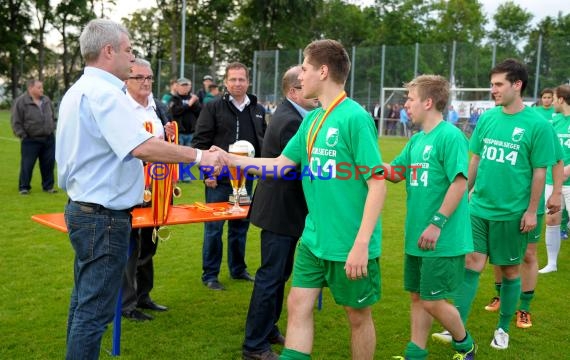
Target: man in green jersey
{"points": [[511, 150], [546, 109], [340, 244], [529, 267], [438, 231], [561, 123]]}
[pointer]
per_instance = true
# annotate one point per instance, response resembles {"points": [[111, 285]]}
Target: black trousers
{"points": [[277, 253], [31, 149], [138, 279]]}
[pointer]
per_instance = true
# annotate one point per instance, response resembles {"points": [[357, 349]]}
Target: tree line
{"points": [[218, 31]]}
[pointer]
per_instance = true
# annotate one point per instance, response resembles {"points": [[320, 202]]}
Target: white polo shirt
{"points": [[148, 114]]}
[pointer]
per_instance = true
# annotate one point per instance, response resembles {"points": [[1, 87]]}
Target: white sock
{"points": [[552, 244]]}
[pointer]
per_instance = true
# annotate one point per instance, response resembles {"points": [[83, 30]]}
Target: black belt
{"points": [[97, 207]]}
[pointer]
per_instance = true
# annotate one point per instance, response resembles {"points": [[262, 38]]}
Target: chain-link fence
{"points": [[466, 65], [164, 72]]}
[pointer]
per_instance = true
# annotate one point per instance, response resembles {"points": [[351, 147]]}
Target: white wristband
{"points": [[198, 156]]}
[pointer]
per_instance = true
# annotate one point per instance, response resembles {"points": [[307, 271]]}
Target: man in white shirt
{"points": [[138, 279]]}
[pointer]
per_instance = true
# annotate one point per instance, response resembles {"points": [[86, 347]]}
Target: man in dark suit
{"points": [[279, 209]]}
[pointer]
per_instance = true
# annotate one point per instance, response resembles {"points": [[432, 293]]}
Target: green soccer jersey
{"points": [[336, 195], [559, 155], [561, 126], [548, 114], [510, 146], [432, 162]]}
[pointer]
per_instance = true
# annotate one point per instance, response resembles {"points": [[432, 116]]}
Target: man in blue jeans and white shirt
{"points": [[100, 145]]}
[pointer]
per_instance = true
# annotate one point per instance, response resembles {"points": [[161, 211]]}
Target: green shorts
{"points": [[434, 278], [502, 241], [311, 272], [534, 235]]}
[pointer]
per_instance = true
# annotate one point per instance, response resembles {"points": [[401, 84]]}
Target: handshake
{"points": [[218, 158]]}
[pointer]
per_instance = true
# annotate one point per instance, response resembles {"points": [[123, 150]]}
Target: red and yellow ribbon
{"points": [[147, 178], [162, 185], [312, 136]]}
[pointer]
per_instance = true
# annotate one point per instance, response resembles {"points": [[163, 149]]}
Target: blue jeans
{"points": [[212, 249], [185, 140], [277, 252], [100, 239]]}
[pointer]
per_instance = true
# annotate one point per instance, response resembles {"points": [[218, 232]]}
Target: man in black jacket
{"points": [[235, 116], [279, 209], [34, 123], [184, 108]]}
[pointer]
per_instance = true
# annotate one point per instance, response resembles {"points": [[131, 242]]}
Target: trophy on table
{"points": [[237, 176]]}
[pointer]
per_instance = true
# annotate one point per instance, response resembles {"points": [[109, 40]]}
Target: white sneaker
{"points": [[444, 337], [547, 269], [500, 340]]}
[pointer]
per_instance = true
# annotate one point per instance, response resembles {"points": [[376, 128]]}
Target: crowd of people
{"points": [[460, 212]]}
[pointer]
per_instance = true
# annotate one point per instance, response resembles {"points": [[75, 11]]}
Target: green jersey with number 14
{"points": [[510, 147], [561, 125], [432, 162]]}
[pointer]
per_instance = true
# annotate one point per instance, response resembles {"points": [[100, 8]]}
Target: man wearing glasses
{"points": [[138, 279]]}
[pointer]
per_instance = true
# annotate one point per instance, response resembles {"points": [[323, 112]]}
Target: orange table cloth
{"points": [[142, 217]]}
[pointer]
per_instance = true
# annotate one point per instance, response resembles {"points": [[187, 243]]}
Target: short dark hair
{"points": [[563, 91], [546, 91], [332, 54], [514, 70], [237, 65]]}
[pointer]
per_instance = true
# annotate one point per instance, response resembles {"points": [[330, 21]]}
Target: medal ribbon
{"points": [[312, 137], [147, 177]]}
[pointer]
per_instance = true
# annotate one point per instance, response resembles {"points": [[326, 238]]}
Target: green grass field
{"points": [[36, 278]]}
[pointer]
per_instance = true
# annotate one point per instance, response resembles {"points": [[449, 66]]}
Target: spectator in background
{"points": [[376, 112], [207, 80], [405, 122], [546, 109], [33, 122], [452, 115], [212, 94], [166, 97], [393, 118], [184, 108]]}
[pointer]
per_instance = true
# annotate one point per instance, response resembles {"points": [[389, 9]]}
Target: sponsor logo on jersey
{"points": [[518, 134], [427, 152], [332, 137]]}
